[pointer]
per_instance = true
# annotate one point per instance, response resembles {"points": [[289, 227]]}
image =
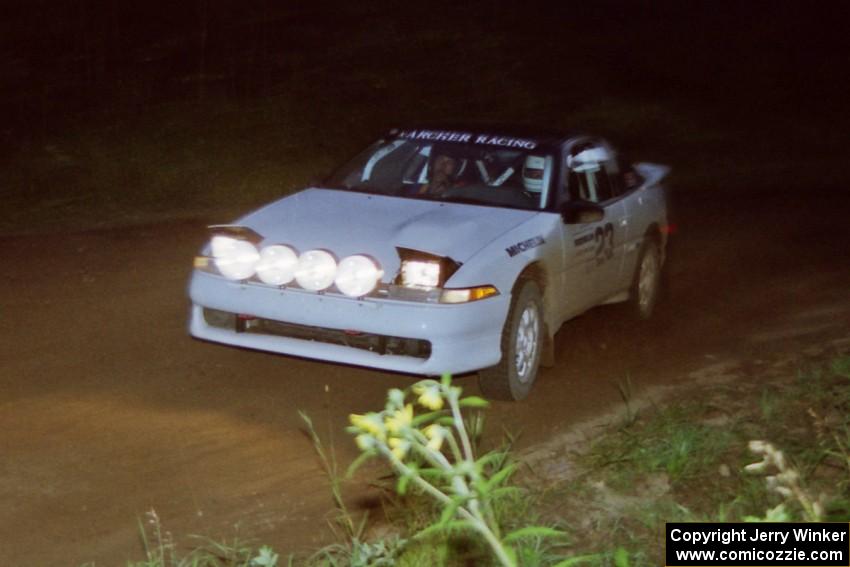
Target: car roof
{"points": [[543, 136]]}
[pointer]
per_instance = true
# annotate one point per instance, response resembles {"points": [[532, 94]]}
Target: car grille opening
{"points": [[381, 344]]}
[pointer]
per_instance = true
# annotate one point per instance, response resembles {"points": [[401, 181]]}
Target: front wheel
{"points": [[522, 342]]}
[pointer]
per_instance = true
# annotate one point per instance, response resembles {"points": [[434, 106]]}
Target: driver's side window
{"points": [[587, 178]]}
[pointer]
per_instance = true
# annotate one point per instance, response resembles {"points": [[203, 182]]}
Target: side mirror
{"points": [[581, 212]]}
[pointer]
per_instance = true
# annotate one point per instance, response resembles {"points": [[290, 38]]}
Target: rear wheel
{"points": [[647, 281], [522, 342]]}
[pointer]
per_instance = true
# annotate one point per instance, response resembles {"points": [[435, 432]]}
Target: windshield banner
{"points": [[466, 138]]}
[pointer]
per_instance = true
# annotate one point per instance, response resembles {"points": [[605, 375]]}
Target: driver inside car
{"points": [[443, 174]]}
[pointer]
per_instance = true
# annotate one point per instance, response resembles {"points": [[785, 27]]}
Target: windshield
{"points": [[510, 174]]}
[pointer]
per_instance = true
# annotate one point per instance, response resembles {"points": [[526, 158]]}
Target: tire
{"points": [[646, 285], [522, 344]]}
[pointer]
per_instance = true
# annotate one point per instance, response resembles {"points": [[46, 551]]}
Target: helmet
{"points": [[532, 173]]}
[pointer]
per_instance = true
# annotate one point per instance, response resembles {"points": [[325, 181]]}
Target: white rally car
{"points": [[440, 250]]}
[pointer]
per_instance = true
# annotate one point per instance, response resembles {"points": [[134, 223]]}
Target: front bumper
{"points": [[462, 337]]}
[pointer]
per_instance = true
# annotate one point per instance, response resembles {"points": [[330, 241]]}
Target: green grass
{"points": [[769, 403], [684, 461], [668, 443]]}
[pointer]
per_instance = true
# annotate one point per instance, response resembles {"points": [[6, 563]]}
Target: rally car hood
{"points": [[346, 222]]}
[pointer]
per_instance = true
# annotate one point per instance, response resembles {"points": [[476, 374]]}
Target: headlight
{"points": [[420, 274], [422, 277], [422, 270], [234, 258], [277, 264], [316, 270], [357, 275]]}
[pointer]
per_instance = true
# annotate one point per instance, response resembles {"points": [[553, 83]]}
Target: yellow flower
{"points": [[429, 395], [364, 441], [399, 420], [399, 447], [395, 398], [369, 423], [436, 434]]}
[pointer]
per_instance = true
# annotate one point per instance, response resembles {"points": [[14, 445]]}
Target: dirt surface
{"points": [[108, 408]]}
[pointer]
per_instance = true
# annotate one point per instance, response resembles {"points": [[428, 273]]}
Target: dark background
{"points": [[118, 109], [63, 59]]}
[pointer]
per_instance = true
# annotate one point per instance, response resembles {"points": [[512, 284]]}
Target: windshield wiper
{"points": [[465, 201], [364, 189]]}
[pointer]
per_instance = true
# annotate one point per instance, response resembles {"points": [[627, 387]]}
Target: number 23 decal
{"points": [[603, 237]]}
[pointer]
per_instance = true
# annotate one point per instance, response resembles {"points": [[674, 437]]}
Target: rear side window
{"points": [[627, 178]]}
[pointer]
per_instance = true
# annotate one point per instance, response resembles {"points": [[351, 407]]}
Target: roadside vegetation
{"points": [[771, 447], [774, 446]]}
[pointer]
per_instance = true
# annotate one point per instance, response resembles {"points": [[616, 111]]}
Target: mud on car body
{"points": [[439, 250]]}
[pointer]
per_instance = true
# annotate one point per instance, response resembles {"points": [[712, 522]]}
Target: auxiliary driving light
{"points": [[316, 270], [277, 264], [235, 258], [357, 275]]}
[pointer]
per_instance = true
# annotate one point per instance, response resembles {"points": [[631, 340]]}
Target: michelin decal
{"points": [[525, 245]]}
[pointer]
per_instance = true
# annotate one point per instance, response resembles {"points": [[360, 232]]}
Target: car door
{"points": [[598, 246]]}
